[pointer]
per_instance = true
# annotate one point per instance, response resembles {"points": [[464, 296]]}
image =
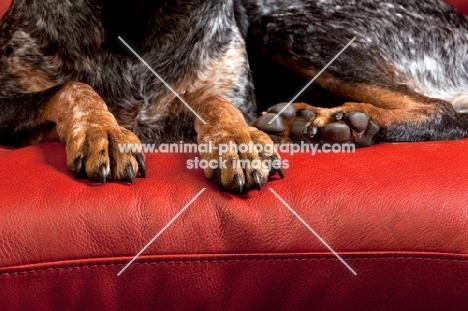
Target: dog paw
{"points": [[301, 122], [95, 153], [240, 158]]}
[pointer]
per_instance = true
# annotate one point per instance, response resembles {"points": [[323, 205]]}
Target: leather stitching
{"points": [[464, 261]]}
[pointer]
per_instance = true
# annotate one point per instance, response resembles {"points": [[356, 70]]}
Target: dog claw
{"points": [[277, 163], [257, 180], [280, 172], [277, 170], [239, 183], [217, 180], [310, 131], [78, 164], [103, 176], [130, 175], [141, 165]]}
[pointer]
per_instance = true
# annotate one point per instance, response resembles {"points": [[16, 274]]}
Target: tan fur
{"points": [[226, 125], [89, 129], [206, 93], [383, 106]]}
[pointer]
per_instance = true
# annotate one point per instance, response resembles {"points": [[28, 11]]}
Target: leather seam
{"points": [[464, 261]]}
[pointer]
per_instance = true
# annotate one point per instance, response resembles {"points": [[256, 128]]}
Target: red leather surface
{"points": [[4, 5], [461, 5], [396, 212]]}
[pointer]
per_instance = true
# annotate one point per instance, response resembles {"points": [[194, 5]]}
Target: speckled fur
{"points": [[414, 48], [45, 43], [423, 42]]}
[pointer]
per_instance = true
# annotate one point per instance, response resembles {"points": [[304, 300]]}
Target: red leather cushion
{"points": [[4, 5], [395, 212], [461, 5]]}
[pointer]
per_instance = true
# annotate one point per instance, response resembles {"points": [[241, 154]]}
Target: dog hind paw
{"points": [[301, 122]]}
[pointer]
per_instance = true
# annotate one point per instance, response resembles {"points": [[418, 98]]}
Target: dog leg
{"points": [[392, 116], [82, 120]]}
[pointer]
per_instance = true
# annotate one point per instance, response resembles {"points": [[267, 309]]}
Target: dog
{"points": [[67, 73]]}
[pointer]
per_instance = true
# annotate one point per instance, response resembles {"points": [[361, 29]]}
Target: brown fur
{"points": [[89, 130], [226, 125]]}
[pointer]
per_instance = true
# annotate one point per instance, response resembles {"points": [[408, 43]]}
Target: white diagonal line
{"points": [[160, 232], [312, 81], [162, 80], [313, 231]]}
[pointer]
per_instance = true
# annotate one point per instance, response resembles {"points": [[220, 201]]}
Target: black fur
{"points": [[17, 133]]}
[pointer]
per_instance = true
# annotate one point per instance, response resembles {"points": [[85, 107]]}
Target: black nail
{"points": [[103, 174], [310, 131], [78, 166], [239, 183], [281, 172], [141, 165], [130, 174], [277, 163], [257, 180]]}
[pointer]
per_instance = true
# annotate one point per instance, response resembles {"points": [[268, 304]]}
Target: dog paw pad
{"points": [[358, 121], [288, 113], [263, 123], [336, 132]]}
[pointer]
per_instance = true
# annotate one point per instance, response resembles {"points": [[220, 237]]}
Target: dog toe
{"points": [[336, 132], [285, 110], [263, 123], [368, 136], [244, 158], [95, 153], [358, 121]]}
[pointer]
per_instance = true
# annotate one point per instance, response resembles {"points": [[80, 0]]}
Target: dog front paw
{"points": [[239, 158], [102, 153]]}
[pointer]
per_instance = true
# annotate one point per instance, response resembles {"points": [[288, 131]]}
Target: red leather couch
{"points": [[396, 213]]}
